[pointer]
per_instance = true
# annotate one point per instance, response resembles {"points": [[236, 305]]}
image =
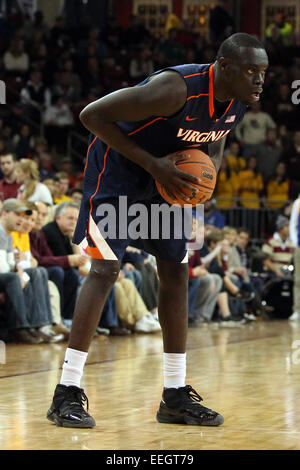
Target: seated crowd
{"points": [[41, 271]]}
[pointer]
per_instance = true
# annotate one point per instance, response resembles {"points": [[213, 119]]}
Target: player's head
{"points": [[243, 61]]}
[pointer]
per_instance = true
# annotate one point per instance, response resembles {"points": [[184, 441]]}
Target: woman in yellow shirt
{"points": [[278, 187], [227, 187], [234, 160], [250, 185]]}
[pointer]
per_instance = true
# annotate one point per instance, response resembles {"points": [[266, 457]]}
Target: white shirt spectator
{"points": [[59, 116], [253, 128], [41, 194], [19, 63]]}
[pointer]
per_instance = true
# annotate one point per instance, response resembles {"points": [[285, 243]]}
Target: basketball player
{"points": [[133, 132]]}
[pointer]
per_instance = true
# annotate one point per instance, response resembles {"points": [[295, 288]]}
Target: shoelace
{"points": [[72, 393]]}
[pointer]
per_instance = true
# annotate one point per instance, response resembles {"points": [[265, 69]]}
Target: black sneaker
{"points": [[67, 408], [245, 295], [233, 320], [181, 406]]}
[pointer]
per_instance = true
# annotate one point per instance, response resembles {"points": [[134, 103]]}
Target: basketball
{"points": [[198, 164]]}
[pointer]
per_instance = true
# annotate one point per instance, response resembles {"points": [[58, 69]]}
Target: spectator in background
{"points": [[61, 268], [37, 24], [226, 189], [35, 96], [16, 60], [77, 195], [52, 183], [8, 185], [64, 88], [284, 111], [253, 128], [220, 23], [294, 233], [284, 27], [62, 189], [14, 282], [58, 237], [141, 65], [278, 187], [75, 82], [136, 33], [291, 157], [267, 154], [212, 216], [173, 51], [283, 139], [279, 248], [250, 184], [131, 309], [274, 46], [38, 277], [234, 159], [23, 142], [58, 119], [31, 189]]}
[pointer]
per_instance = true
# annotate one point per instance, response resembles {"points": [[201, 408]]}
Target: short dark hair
{"points": [[214, 237], [243, 230], [231, 46]]}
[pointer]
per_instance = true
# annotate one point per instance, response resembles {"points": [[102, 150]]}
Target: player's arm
{"points": [[163, 96], [216, 152]]}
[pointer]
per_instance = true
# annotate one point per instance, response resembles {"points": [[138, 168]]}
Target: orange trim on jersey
{"points": [[193, 74], [87, 155], [94, 252], [211, 95], [146, 125], [211, 91], [99, 179], [197, 96]]}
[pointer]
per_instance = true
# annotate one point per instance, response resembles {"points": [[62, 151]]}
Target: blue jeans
{"points": [[109, 317], [17, 301], [67, 282], [192, 294], [41, 314]]}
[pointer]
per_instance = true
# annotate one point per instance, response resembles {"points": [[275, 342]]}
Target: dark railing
{"points": [[77, 148], [260, 221]]}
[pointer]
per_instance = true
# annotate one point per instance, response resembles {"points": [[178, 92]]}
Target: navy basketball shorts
{"points": [[108, 225]]}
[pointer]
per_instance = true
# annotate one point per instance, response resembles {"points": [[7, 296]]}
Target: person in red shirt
{"points": [[8, 185]]}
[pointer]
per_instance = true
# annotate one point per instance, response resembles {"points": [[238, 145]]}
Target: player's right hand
{"points": [[165, 171]]}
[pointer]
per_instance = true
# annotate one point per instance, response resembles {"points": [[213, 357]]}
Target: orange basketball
{"points": [[198, 164]]}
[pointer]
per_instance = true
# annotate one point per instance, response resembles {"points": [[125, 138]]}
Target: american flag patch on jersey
{"points": [[230, 118]]}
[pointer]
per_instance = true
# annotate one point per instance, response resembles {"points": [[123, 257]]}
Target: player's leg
{"points": [[67, 407], [180, 403]]}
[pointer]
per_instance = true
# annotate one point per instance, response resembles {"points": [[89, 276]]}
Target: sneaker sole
{"points": [[54, 418], [165, 418]]}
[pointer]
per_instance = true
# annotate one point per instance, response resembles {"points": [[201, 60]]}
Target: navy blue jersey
{"points": [[108, 174]]}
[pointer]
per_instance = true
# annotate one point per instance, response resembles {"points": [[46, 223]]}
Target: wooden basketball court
{"points": [[249, 374]]}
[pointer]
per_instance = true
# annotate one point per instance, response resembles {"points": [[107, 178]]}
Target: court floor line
{"points": [[150, 354]]}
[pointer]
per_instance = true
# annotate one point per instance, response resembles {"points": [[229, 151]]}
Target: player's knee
{"points": [[175, 274], [105, 271]]}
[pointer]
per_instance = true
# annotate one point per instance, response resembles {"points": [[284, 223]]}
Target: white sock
{"points": [[174, 370], [73, 367]]}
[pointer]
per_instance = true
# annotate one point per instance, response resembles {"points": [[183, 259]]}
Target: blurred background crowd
{"points": [[51, 73]]}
